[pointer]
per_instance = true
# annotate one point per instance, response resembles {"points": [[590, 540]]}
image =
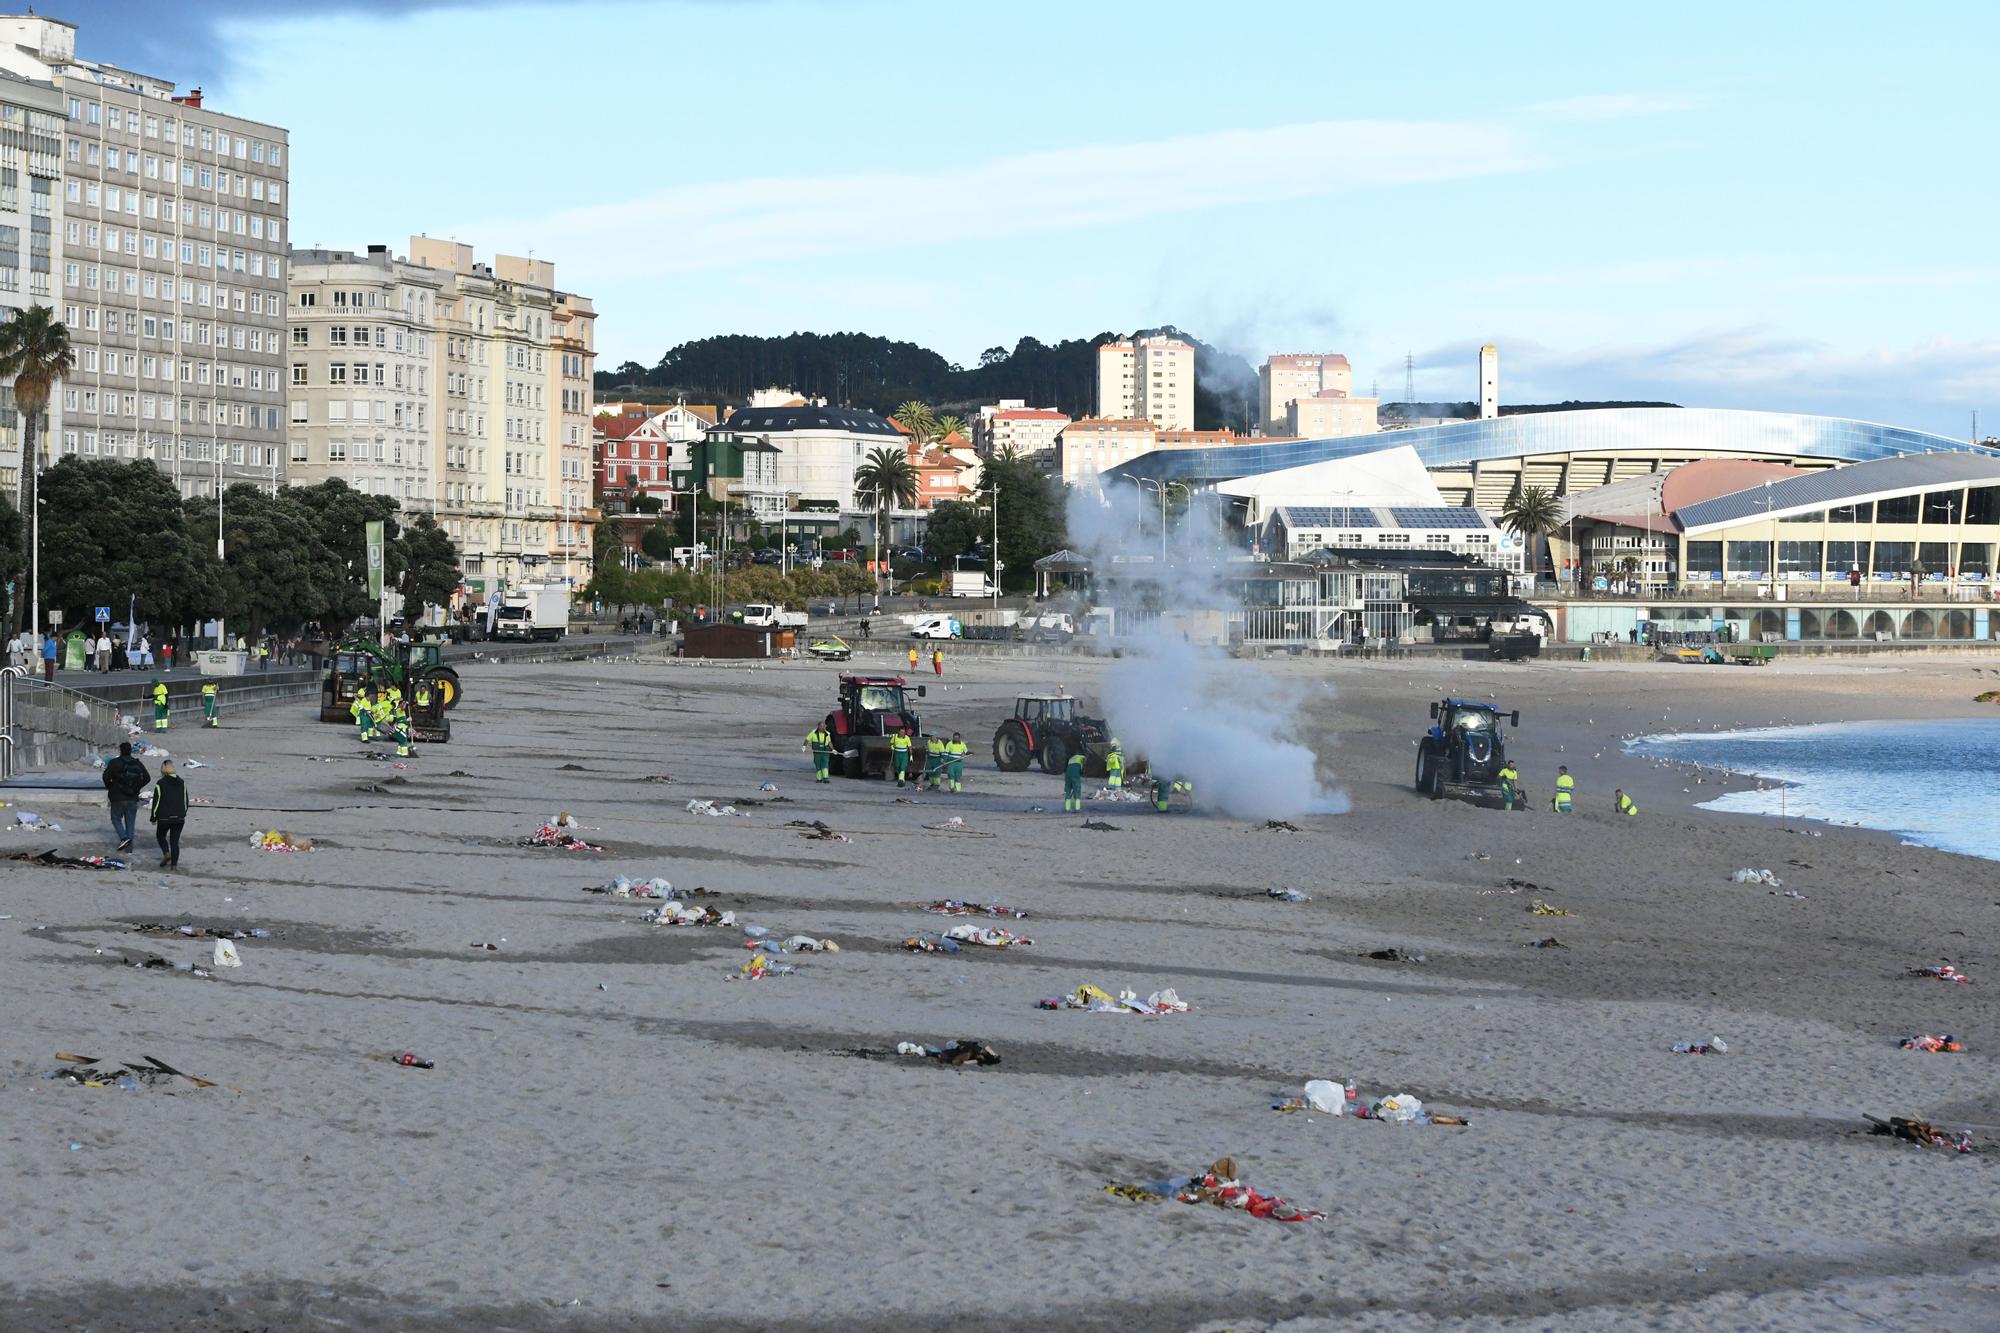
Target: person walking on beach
{"points": [[899, 752], [937, 661], [913, 659], [957, 751], [1622, 803], [1565, 790], [820, 741], [170, 812], [125, 780], [1510, 783]]}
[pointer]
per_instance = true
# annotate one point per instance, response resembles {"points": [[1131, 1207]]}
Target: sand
{"points": [[615, 1137]]}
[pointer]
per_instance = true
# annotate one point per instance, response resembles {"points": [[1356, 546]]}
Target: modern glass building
{"points": [[1482, 463]]}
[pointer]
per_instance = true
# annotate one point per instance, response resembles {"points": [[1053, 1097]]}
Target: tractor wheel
{"points": [[1429, 779], [1055, 755], [854, 764], [1011, 753], [1437, 778], [445, 681]]}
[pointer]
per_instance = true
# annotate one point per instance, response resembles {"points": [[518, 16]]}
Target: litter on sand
{"points": [[1099, 826], [548, 835], [656, 887], [1920, 1132], [188, 930], [1713, 1046], [153, 960], [277, 840], [925, 944], [1218, 1186], [1394, 955], [761, 966], [91, 1073], [1280, 826], [1942, 972], [711, 808], [676, 913], [992, 937], [1541, 908], [1322, 1095], [1288, 895], [818, 830], [226, 955], [1098, 1001], [1403, 1109], [964, 1051], [1121, 795], [791, 944], [52, 857], [1945, 1045], [1547, 942], [958, 907], [1750, 876], [657, 777], [408, 1059], [28, 819]]}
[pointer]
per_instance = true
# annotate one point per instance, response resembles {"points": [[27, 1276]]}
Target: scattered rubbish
{"points": [[279, 841], [1099, 826], [964, 1051], [28, 819], [153, 960], [1125, 1002], [52, 857], [925, 944], [1942, 972], [150, 751], [761, 966], [1477, 856], [1750, 876], [792, 944], [991, 937], [1121, 795], [151, 1072], [676, 913], [226, 955], [321, 759], [1516, 884], [1713, 1046], [1540, 908], [1920, 1132], [407, 1059], [1392, 954], [771, 787], [1280, 826], [1322, 1095], [572, 768], [656, 777], [195, 763], [1398, 1109], [1788, 893], [1220, 1187], [483, 944], [656, 887], [818, 830], [1935, 1045], [711, 808], [960, 907], [374, 789], [1547, 942], [1287, 895], [459, 773], [548, 835]]}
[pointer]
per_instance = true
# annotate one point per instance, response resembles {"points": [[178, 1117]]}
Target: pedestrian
{"points": [[208, 703], [1510, 783], [864, 627], [104, 652], [263, 654], [159, 705], [1623, 804], [899, 752], [125, 780], [1114, 766], [17, 651], [167, 653], [89, 653], [1073, 783], [957, 749], [913, 659], [170, 812], [1565, 790], [49, 658], [820, 741], [937, 661]]}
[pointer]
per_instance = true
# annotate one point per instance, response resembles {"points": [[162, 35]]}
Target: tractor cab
{"points": [[1039, 709], [871, 709], [1464, 750]]}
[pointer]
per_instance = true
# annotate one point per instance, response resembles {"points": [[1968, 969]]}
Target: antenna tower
{"points": [[1409, 377]]}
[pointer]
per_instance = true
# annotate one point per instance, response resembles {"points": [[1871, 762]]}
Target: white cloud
{"points": [[776, 219]]}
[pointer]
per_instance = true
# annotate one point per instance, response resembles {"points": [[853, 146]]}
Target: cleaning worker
{"points": [[937, 661], [899, 751], [159, 705], [363, 713], [1565, 790], [1073, 783], [385, 714], [1510, 783], [934, 763], [399, 721], [1114, 767], [820, 741], [208, 703], [1622, 803], [1162, 793], [957, 750], [913, 659]]}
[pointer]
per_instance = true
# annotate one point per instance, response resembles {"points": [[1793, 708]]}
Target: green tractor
{"points": [[355, 662]]}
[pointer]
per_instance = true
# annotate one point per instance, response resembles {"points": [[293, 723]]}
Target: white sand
{"points": [[677, 1151]]}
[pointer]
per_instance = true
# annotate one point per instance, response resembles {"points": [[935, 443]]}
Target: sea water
{"points": [[1935, 783]]}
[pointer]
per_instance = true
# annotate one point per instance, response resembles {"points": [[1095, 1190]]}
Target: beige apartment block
{"points": [[361, 383], [31, 127], [1329, 413], [1287, 376], [172, 281], [1092, 445], [573, 321], [1150, 378], [1012, 426]]}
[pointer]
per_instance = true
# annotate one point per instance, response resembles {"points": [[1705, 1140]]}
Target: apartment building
{"points": [[31, 126], [172, 233], [1329, 413], [1095, 444], [363, 366], [1150, 378], [1288, 376], [1012, 426]]}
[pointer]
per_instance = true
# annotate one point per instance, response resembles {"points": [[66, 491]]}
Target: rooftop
{"points": [[1859, 484], [799, 418]]}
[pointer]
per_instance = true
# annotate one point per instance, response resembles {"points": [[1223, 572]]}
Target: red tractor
{"points": [[1048, 728], [870, 711]]}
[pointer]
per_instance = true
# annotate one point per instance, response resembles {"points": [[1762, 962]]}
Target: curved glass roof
{"points": [[1678, 430], [1844, 486]]}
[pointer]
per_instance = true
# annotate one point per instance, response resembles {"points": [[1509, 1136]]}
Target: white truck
{"points": [[970, 583], [532, 611], [764, 615]]}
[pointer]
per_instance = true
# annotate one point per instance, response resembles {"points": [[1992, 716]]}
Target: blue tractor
{"points": [[1465, 749]]}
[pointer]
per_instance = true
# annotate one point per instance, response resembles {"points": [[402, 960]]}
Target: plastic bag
{"points": [[226, 955], [1326, 1096]]}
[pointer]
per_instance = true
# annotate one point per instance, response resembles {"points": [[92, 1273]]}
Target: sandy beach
{"points": [[615, 1136]]}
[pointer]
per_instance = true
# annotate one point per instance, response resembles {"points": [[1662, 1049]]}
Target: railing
{"points": [[51, 724]]}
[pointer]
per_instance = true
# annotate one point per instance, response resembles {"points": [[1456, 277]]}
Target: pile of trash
{"points": [[277, 840], [956, 907], [759, 938], [674, 912], [1125, 1002], [1392, 954], [1218, 1186], [1920, 1132], [148, 750], [1540, 907], [761, 966], [656, 887], [1123, 795], [1280, 826], [1945, 1045], [711, 808], [1942, 972], [153, 960], [991, 937], [818, 830], [1288, 895], [1750, 876], [57, 859], [925, 944], [964, 1051], [90, 1073], [188, 930], [1713, 1046], [1336, 1099], [28, 819], [557, 835]]}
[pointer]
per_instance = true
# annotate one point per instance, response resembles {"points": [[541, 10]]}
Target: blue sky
{"points": [[1776, 206]]}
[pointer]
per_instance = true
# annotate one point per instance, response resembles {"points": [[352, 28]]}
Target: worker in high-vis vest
{"points": [[1073, 782], [913, 659], [385, 713], [208, 704], [159, 706], [957, 749], [1622, 803], [423, 696], [399, 723], [899, 753], [1163, 789], [1565, 790], [820, 741], [363, 712], [1510, 783], [1114, 766], [937, 761]]}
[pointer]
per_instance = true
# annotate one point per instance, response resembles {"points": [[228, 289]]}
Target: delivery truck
{"points": [[532, 611]]}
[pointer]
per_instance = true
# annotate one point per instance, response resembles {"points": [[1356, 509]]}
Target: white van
{"points": [[936, 627]]}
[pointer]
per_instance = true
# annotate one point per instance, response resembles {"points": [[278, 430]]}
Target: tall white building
{"points": [[173, 230], [1150, 378], [31, 124], [1489, 382], [1287, 377], [1012, 426]]}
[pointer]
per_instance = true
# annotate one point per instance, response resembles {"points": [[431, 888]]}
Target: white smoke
{"points": [[1234, 730]]}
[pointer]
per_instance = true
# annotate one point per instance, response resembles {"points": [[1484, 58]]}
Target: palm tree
{"points": [[891, 478], [947, 426], [34, 353], [918, 419], [1533, 512]]}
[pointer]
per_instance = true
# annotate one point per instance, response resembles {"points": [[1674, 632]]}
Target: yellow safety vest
{"points": [[1627, 806], [1114, 762], [159, 694], [208, 688], [900, 741], [1565, 783], [819, 740]]}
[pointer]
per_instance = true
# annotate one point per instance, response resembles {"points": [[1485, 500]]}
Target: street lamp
{"points": [[993, 561]]}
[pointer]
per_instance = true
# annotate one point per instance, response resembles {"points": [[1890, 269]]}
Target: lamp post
{"points": [[993, 561]]}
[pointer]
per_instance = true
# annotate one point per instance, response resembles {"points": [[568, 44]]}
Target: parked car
{"points": [[843, 553], [768, 556]]}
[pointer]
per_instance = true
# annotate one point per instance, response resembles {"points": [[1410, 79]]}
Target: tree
{"points": [[889, 477], [947, 426], [658, 541], [992, 356], [1533, 513], [1032, 521], [955, 527], [430, 568], [918, 419], [646, 504], [275, 572], [34, 353], [607, 545], [13, 557], [113, 531]]}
